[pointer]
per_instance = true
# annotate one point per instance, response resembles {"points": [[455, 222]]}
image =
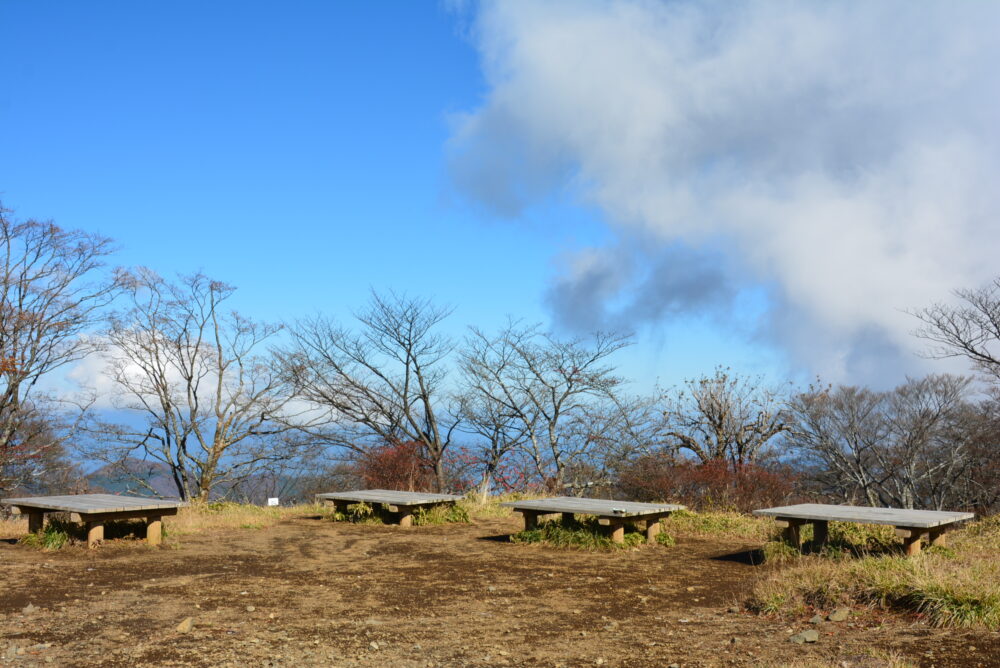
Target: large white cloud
{"points": [[845, 155]]}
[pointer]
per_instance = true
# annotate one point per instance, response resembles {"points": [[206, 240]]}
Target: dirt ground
{"points": [[312, 592]]}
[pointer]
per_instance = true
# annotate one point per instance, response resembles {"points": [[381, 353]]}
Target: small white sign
{"points": [[272, 502]]}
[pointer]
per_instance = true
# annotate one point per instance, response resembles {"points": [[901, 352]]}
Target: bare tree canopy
{"points": [[547, 387], [52, 290], [969, 329], [215, 407], [725, 417], [381, 383], [906, 448]]}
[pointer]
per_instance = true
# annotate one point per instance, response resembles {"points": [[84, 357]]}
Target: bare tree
{"points": [[382, 383], [969, 329], [52, 290], [905, 448], [35, 460], [216, 409], [547, 385], [725, 417], [491, 412]]}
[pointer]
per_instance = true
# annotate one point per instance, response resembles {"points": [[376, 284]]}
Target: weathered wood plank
{"points": [[86, 504], [923, 519], [599, 507], [389, 497]]}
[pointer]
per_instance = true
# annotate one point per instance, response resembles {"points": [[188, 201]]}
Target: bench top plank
{"points": [[900, 517], [599, 507], [86, 504], [389, 496]]}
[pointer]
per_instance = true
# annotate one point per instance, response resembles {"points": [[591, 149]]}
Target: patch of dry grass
{"points": [[14, 527], [721, 524], [957, 586], [872, 658], [200, 517]]}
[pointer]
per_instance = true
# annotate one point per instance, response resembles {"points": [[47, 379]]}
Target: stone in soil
{"points": [[806, 636], [839, 615]]}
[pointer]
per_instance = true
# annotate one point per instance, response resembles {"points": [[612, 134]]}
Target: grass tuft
{"points": [[441, 514], [582, 533], [360, 513], [55, 535]]}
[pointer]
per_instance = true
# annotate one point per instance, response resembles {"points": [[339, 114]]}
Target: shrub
{"points": [[713, 485], [401, 466]]}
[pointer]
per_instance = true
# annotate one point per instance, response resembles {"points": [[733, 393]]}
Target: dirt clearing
{"points": [[309, 591]]}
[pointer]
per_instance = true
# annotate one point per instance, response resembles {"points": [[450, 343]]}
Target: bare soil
{"points": [[309, 591]]}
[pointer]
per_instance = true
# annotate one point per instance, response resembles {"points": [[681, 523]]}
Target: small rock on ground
{"points": [[839, 615], [806, 636]]}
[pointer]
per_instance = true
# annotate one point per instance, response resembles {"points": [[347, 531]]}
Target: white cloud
{"points": [[847, 155]]}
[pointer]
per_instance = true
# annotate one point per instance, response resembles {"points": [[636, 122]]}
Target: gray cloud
{"points": [[846, 154], [626, 287]]}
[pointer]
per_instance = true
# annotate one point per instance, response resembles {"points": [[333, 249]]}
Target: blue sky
{"points": [[307, 151]]}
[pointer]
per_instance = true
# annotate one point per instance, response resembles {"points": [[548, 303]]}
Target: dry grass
{"points": [[14, 527], [956, 587], [200, 517], [873, 659], [721, 524]]}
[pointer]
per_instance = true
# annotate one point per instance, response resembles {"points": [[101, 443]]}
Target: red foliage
{"points": [[715, 485], [400, 466]]}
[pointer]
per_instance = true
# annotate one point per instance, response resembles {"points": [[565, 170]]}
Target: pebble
{"points": [[186, 625], [816, 619], [250, 608]]}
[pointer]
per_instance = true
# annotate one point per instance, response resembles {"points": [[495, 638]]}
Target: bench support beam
{"points": [[652, 530], [95, 533], [792, 533], [154, 529], [36, 521]]}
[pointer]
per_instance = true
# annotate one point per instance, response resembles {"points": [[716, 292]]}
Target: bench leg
{"points": [[821, 533], [792, 533], [405, 516], [911, 539], [95, 533], [567, 518], [530, 519], [617, 532], [154, 529], [652, 530], [35, 522], [938, 538]]}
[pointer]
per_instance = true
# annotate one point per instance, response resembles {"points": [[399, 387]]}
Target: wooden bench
{"points": [[95, 510], [611, 514], [402, 503], [911, 525]]}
